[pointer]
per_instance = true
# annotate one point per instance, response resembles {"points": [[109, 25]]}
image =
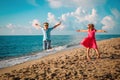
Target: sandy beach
{"points": [[71, 65]]}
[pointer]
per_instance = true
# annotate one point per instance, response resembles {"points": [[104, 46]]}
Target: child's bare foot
{"points": [[88, 58]]}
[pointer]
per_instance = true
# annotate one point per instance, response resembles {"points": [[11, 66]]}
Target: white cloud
{"points": [[111, 22], [75, 3], [17, 29], [79, 14], [92, 18], [76, 19], [108, 23], [11, 27], [51, 18], [80, 18]]}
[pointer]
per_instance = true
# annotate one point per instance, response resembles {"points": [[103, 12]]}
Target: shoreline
{"points": [[22, 59], [72, 61], [31, 62]]}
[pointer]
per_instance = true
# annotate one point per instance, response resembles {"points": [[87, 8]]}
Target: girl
{"points": [[90, 41]]}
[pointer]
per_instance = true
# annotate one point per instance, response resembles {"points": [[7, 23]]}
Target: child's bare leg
{"points": [[88, 56], [98, 54]]}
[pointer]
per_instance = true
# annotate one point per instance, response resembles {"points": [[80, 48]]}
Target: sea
{"points": [[16, 49]]}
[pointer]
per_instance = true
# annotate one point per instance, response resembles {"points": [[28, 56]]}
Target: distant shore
{"points": [[70, 65]]}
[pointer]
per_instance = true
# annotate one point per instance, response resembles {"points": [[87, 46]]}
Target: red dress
{"points": [[90, 41]]}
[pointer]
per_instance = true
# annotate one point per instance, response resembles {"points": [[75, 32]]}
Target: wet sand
{"points": [[71, 65]]}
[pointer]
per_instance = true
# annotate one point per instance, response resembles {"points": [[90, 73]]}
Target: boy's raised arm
{"points": [[57, 25], [37, 26]]}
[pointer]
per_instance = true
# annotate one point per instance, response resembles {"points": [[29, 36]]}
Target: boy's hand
{"points": [[59, 23], [78, 30]]}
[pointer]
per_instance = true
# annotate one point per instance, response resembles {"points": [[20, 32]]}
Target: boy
{"points": [[46, 34]]}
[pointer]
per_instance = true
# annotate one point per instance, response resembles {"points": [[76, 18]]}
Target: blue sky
{"points": [[16, 16]]}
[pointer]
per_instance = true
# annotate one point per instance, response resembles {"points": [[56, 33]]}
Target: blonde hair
{"points": [[91, 26]]}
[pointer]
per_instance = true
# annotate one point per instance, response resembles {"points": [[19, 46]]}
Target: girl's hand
{"points": [[36, 24], [78, 30], [105, 31]]}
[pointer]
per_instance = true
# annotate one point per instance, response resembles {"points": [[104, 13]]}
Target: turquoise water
{"points": [[18, 49], [15, 46]]}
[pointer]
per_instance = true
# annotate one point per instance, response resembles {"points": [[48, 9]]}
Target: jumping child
{"points": [[46, 34]]}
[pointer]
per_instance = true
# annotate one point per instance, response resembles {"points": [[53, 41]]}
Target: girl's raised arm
{"points": [[100, 31], [82, 30]]}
